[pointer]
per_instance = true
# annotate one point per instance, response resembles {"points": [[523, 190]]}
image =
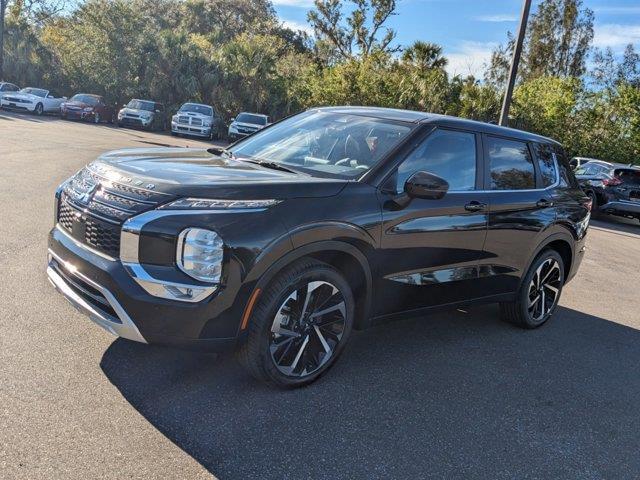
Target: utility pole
{"points": [[515, 61], [3, 10]]}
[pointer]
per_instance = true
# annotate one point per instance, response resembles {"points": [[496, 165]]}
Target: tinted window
{"points": [[448, 154], [628, 175], [34, 91], [251, 118], [88, 99], [547, 164], [567, 178], [510, 165], [141, 105], [197, 108]]}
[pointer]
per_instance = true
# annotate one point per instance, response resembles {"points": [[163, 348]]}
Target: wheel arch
{"points": [[560, 241], [345, 257]]}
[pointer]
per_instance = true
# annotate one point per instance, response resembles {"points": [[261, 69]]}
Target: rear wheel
{"points": [[300, 325], [539, 293]]}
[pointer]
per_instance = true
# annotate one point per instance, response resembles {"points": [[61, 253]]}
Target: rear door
{"points": [[520, 208], [430, 249]]}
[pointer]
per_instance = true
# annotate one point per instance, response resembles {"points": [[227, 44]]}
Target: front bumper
{"points": [[190, 129], [29, 107], [78, 115], [102, 289], [89, 298]]}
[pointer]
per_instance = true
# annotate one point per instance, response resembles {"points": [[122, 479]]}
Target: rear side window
{"points": [[567, 178], [628, 176], [547, 164], [446, 153], [510, 164]]}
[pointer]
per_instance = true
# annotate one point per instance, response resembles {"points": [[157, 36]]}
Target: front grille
{"points": [[103, 236], [196, 121], [92, 208], [131, 121]]}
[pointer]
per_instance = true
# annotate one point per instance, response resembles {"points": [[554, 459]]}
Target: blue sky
{"points": [[470, 29]]}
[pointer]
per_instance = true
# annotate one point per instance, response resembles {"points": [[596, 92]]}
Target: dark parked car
{"points": [[334, 219], [145, 114], [88, 107], [614, 188]]}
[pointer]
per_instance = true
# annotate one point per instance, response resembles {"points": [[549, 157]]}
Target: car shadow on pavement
{"points": [[616, 224], [453, 395]]}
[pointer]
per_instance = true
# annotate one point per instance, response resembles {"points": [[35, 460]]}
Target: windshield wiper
{"points": [[268, 164]]}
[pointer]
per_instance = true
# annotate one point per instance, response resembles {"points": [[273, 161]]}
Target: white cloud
{"points": [[293, 25], [470, 58], [501, 17], [616, 36], [617, 10], [294, 3]]}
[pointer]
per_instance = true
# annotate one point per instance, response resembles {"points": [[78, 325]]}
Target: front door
{"points": [[430, 249]]}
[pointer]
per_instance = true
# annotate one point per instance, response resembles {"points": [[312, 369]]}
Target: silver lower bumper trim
{"points": [[122, 326], [621, 206]]}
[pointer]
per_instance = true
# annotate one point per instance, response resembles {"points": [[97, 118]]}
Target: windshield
{"points": [[141, 105], [333, 144], [197, 108], [251, 118], [38, 92], [88, 99], [590, 169]]}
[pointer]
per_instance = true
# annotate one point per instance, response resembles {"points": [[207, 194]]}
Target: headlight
{"points": [[233, 128], [212, 204], [199, 254], [174, 118], [88, 109], [206, 123]]}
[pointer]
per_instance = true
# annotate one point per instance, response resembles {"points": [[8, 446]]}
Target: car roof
{"points": [[413, 116], [195, 103], [251, 113]]}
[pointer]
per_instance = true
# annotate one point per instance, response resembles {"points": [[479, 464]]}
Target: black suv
{"points": [[333, 219], [614, 188]]}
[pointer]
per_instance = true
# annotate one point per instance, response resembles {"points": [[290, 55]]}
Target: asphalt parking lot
{"points": [[453, 395]]}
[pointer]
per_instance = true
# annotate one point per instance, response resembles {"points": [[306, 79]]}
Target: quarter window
{"points": [[547, 164], [510, 165], [446, 153]]}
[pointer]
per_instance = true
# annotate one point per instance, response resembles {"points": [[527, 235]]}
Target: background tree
{"points": [[345, 36], [558, 43]]}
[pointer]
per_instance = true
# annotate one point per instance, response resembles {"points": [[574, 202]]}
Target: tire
{"points": [[96, 118], [533, 306], [39, 110], [174, 134], [308, 346]]}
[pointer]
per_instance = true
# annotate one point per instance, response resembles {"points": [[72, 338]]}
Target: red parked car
{"points": [[85, 106]]}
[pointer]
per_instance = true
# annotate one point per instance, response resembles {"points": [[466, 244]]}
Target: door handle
{"points": [[475, 206], [544, 203]]}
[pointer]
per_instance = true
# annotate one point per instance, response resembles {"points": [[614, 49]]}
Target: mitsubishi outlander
{"points": [[332, 220]]}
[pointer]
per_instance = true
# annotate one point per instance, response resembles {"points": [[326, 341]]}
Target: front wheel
{"points": [[539, 292], [96, 118], [300, 325], [39, 110]]}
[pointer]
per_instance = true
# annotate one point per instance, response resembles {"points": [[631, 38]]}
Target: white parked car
{"points": [[196, 119], [246, 124], [35, 100]]}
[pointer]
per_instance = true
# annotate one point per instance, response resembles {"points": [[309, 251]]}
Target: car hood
{"points": [[76, 103], [22, 96], [196, 172], [135, 111], [248, 125]]}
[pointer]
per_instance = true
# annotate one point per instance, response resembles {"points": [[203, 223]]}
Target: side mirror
{"points": [[426, 185]]}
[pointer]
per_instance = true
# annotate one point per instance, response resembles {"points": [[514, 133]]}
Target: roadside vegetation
{"points": [[238, 56]]}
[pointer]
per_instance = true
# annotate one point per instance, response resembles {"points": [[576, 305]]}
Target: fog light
{"points": [[199, 254]]}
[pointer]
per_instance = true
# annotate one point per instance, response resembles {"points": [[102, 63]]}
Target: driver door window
{"points": [[448, 154]]}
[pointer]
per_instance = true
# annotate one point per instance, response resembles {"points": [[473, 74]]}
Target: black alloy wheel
{"points": [[300, 325], [539, 293]]}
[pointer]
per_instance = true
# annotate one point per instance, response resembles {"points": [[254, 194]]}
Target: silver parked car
{"points": [[246, 124], [196, 119]]}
